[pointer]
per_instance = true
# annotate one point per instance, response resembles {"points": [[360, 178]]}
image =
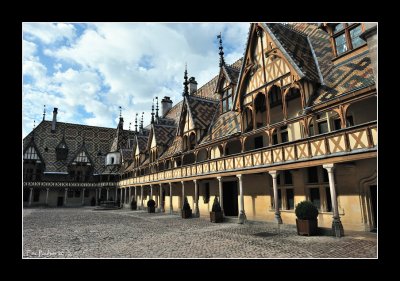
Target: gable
{"points": [[31, 153], [153, 141], [81, 158]]}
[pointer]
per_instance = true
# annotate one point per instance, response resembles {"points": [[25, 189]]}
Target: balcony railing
{"points": [[356, 139]]}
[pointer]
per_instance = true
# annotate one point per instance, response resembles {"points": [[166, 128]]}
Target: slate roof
{"points": [[164, 135], [97, 139], [174, 148], [127, 154], [297, 46], [226, 124]]}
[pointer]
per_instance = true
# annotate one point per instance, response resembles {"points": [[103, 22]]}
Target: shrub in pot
{"points": [[306, 222], [186, 210], [151, 206], [216, 211], [133, 204]]}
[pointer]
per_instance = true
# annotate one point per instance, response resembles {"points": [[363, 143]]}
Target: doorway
{"points": [[374, 201], [230, 195], [60, 201]]}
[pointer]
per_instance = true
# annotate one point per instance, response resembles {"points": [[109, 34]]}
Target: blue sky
{"points": [[88, 70]]}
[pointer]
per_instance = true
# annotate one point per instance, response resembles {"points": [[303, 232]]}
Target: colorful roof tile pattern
{"points": [[121, 137], [226, 124], [202, 111], [164, 135], [126, 154], [142, 142], [350, 75], [97, 143], [174, 148], [297, 46]]}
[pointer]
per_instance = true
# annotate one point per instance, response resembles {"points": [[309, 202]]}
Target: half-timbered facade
{"points": [[294, 119]]}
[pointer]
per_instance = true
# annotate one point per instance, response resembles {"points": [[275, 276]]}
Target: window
{"points": [[315, 198], [323, 127], [275, 138], [311, 130], [36, 195], [30, 153], [312, 175], [112, 160], [328, 199], [325, 177], [336, 124], [288, 177], [284, 134], [349, 121], [258, 142], [275, 97], [226, 100], [346, 37], [289, 199]]}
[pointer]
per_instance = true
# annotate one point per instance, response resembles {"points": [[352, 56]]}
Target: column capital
{"points": [[66, 189], [31, 188], [170, 184], [219, 178], [47, 188], [195, 181], [239, 176], [329, 167], [274, 173], [183, 183]]}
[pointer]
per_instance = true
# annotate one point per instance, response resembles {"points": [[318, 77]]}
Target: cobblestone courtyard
{"points": [[84, 233]]}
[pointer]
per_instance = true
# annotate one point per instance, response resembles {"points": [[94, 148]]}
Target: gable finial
{"points": [[221, 52], [157, 108], [136, 122], [141, 122], [44, 111], [34, 125], [152, 112], [130, 126], [185, 83], [120, 112]]}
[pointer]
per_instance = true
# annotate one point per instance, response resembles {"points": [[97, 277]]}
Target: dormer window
{"points": [[226, 100], [346, 37]]}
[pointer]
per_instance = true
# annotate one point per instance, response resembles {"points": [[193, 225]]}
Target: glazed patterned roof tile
{"points": [[142, 141], [127, 154], [174, 148], [175, 112], [297, 46], [164, 135], [353, 74], [232, 72], [202, 111], [97, 139], [226, 124]]}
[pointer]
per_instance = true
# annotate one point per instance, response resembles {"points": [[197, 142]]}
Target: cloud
{"points": [[118, 64], [49, 32]]}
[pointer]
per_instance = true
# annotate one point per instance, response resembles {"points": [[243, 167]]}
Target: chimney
{"points": [[166, 105], [53, 124], [192, 85]]}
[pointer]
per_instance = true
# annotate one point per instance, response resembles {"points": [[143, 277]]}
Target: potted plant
{"points": [[306, 222], [186, 210], [151, 206], [133, 204], [216, 211]]}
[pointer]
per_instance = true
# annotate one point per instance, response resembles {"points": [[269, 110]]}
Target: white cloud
{"points": [[49, 32], [127, 64]]}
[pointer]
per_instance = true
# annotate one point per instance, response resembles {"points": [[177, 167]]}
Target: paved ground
{"points": [[84, 233]]}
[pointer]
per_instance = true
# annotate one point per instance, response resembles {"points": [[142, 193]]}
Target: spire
{"points": [[221, 52], [185, 83], [120, 112], [130, 126], [44, 111], [34, 125], [157, 108], [136, 122], [141, 122], [152, 112]]}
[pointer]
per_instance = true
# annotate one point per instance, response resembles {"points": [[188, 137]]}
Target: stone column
{"points": [[97, 197], [242, 214], [65, 197], [83, 197], [151, 191], [221, 194], [141, 196], [183, 193], [47, 196], [30, 196], [160, 199], [274, 175], [121, 194], [116, 194], [170, 198], [99, 192], [125, 199], [108, 192], [130, 195], [136, 194], [337, 226], [196, 199]]}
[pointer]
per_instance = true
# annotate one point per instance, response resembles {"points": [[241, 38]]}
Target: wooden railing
{"points": [[341, 142]]}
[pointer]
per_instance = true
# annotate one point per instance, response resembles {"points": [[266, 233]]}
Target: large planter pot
{"points": [[186, 214], [216, 217], [307, 227], [151, 209]]}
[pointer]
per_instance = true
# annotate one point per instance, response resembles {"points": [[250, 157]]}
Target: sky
{"points": [[88, 70]]}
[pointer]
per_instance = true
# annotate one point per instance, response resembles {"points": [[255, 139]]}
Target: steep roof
{"points": [[97, 139], [297, 46], [201, 111], [226, 124], [164, 135], [174, 148]]}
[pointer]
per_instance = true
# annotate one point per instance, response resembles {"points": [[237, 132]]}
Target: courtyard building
{"points": [[294, 119]]}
